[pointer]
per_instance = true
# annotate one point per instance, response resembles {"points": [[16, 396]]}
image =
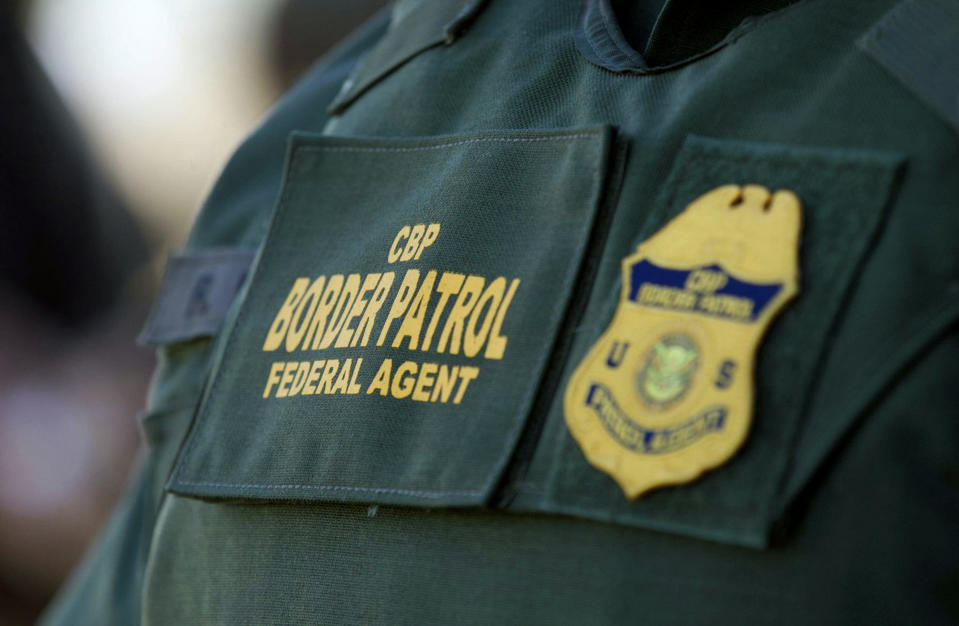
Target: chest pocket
{"points": [[398, 319]]}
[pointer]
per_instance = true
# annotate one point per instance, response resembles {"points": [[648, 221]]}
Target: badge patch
{"points": [[666, 393]]}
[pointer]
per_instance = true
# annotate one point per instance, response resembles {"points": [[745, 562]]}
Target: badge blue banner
{"points": [[674, 291]]}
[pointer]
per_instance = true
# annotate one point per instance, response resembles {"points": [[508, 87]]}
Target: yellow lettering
{"points": [[381, 381], [330, 295], [445, 383], [413, 243], [326, 380], [424, 381], [496, 346], [404, 380], [706, 281], [395, 251], [432, 232], [449, 285], [413, 322], [302, 370], [347, 333], [284, 389], [354, 387], [273, 378], [310, 387], [731, 306], [274, 337], [341, 312], [402, 300], [365, 325], [466, 375], [453, 329], [342, 383], [473, 340], [297, 330], [668, 297]]}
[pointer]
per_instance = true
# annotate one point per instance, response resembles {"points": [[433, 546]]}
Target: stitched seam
{"points": [[865, 161], [612, 37], [588, 38], [533, 488], [427, 494], [445, 145]]}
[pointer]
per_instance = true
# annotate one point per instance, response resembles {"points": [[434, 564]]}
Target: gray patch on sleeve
{"points": [[197, 290]]}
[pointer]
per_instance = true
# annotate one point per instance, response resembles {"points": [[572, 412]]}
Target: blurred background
{"points": [[115, 118]]}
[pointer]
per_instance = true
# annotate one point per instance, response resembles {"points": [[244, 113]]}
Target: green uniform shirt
{"points": [[439, 212]]}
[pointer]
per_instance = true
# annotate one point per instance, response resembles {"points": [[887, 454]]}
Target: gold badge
{"points": [[666, 393]]}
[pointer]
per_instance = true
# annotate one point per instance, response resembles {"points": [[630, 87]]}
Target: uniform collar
{"points": [[670, 33]]}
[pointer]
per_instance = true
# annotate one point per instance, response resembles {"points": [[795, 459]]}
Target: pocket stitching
{"points": [[411, 492]]}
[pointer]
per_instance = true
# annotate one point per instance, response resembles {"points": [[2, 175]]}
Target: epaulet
{"points": [[917, 42]]}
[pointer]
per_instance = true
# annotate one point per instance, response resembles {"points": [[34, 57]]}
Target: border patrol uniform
{"points": [[383, 393]]}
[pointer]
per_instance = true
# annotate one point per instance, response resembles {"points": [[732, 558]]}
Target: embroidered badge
{"points": [[666, 393]]}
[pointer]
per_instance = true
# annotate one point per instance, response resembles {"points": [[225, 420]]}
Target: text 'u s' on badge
{"points": [[666, 393]]}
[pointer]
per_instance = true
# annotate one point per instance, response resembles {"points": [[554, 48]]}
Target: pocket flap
{"points": [[398, 319]]}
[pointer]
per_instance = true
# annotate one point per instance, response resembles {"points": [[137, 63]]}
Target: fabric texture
{"points": [[841, 508]]}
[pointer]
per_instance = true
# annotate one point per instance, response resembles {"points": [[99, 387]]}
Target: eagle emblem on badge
{"points": [[667, 373], [666, 392]]}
